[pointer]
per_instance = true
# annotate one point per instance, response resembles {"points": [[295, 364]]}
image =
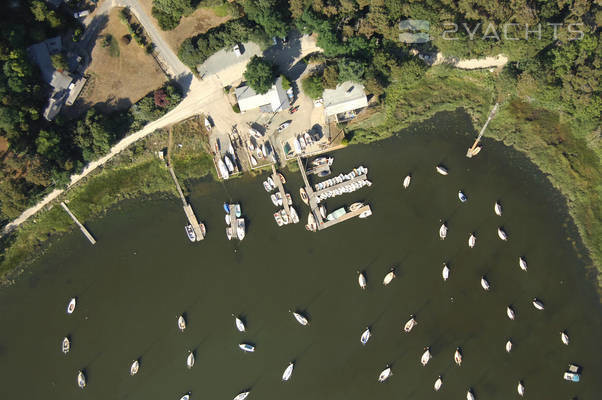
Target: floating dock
{"points": [[87, 234], [280, 185], [196, 227], [341, 185]]}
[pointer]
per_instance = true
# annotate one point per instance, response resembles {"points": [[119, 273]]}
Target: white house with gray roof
{"points": [[274, 100], [345, 101]]}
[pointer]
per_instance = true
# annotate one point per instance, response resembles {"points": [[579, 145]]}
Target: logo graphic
{"points": [[414, 31]]}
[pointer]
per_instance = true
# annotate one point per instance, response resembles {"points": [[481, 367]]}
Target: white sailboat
{"points": [[190, 359], [389, 277], [484, 283], [508, 345], [410, 324], [510, 313], [134, 367], [253, 161], [186, 396], [65, 345], [300, 318], [441, 169], [462, 196], [458, 357], [240, 325], [472, 240], [520, 388], [538, 304], [438, 384], [229, 164], [385, 374], [426, 356], [81, 379], [181, 323], [522, 263], [564, 337], [361, 280], [286, 375], [406, 181], [71, 306], [242, 396], [445, 272], [502, 234], [443, 231], [470, 395], [497, 208], [365, 336]]}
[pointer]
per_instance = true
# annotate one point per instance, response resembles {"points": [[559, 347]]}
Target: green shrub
{"points": [[312, 86], [236, 108]]}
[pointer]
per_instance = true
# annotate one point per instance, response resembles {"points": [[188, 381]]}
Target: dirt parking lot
{"points": [[117, 82]]}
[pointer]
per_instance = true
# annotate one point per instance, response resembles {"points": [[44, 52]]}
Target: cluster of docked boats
{"points": [[259, 151], [281, 216], [302, 141], [235, 227], [322, 187], [226, 164]]}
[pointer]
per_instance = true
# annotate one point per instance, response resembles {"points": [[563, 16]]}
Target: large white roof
{"points": [[347, 96], [276, 98]]}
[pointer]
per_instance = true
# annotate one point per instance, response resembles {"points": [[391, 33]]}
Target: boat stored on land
{"points": [[207, 124], [223, 170], [229, 164]]}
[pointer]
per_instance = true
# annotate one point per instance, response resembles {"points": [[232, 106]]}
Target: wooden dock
{"points": [[196, 227], [87, 234], [280, 185], [345, 217]]}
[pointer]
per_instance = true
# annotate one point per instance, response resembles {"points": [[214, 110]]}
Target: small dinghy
{"points": [[300, 318], [522, 263], [71, 306], [274, 199], [134, 367], [438, 384], [407, 328], [227, 208], [190, 360], [365, 336], [242, 396], [484, 283], [304, 196], [186, 396], [441, 169], [443, 231], [497, 208], [365, 214], [426, 357], [564, 337], [406, 181], [470, 395], [361, 280], [538, 304], [502, 234], [249, 348], [239, 324], [458, 356], [520, 388], [385, 374], [389, 277], [286, 375], [356, 206], [508, 345], [462, 197], [445, 272], [65, 345], [181, 323], [472, 240], [510, 313], [81, 379]]}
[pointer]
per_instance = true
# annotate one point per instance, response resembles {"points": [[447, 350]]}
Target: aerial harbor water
{"points": [[143, 273]]}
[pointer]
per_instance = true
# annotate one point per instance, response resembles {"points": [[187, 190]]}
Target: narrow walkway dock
{"points": [[196, 227], [345, 217], [280, 185], [472, 151], [87, 234]]}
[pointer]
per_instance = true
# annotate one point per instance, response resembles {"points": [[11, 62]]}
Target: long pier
{"points": [[278, 182], [472, 150], [196, 227], [87, 234]]}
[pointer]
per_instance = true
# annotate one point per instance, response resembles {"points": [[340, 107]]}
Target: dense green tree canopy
{"points": [[260, 74], [312, 86], [169, 12]]}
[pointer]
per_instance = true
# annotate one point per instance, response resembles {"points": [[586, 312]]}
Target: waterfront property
{"points": [[275, 100], [345, 101]]}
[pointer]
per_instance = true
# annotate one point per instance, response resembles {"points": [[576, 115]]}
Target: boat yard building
{"points": [[276, 99], [344, 102]]}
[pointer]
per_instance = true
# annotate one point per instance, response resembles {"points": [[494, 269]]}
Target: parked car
{"points": [[294, 109]]}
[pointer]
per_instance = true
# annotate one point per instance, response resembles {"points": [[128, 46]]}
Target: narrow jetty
{"points": [[474, 150], [280, 185], [345, 217], [87, 234], [187, 208]]}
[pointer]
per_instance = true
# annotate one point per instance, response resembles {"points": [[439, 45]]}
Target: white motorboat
{"points": [[520, 388], [228, 219], [470, 395], [458, 356], [438, 384], [294, 215], [134, 367], [229, 164], [253, 161], [240, 228], [365, 336], [497, 208], [65, 345], [81, 379], [71, 306], [190, 233], [462, 196], [407, 328], [289, 199], [300, 318], [271, 182], [207, 124], [366, 214], [237, 210], [426, 356], [286, 375], [278, 218], [361, 279], [322, 160], [240, 325], [274, 199], [242, 396], [267, 186], [322, 209], [445, 272], [538, 304], [284, 216], [264, 151], [502, 234], [229, 234], [522, 263], [472, 240], [484, 283], [389, 277], [181, 323], [443, 231], [223, 170], [508, 345], [564, 337], [356, 206], [311, 223], [385, 374], [510, 313], [441, 169], [186, 396], [249, 348], [304, 196], [406, 181], [190, 360]]}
